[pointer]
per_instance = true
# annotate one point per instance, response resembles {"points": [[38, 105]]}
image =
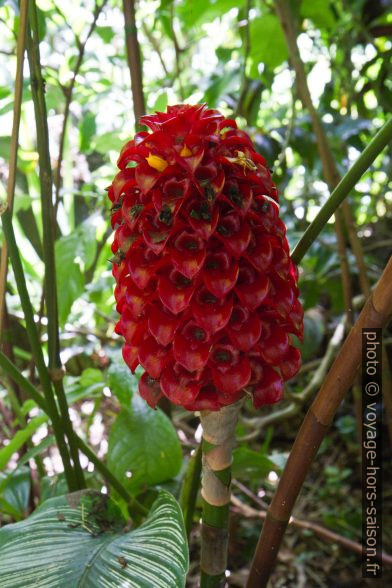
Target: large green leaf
{"points": [[78, 541], [267, 41], [143, 444]]}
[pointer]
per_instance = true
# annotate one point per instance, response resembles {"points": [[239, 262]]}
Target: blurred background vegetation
{"points": [[231, 54]]}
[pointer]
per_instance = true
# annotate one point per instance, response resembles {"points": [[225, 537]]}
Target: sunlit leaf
{"points": [[267, 42]]}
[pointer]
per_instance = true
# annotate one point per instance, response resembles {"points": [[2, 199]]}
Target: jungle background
{"points": [[233, 55]]}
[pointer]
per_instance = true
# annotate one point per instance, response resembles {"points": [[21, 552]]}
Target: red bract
{"points": [[206, 288]]}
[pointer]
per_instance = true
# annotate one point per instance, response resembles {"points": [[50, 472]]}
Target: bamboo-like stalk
{"points": [[134, 60], [12, 371], [376, 313], [20, 50], [48, 225], [36, 346], [217, 446]]}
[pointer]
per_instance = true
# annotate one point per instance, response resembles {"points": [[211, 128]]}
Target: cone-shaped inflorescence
{"points": [[206, 289]]}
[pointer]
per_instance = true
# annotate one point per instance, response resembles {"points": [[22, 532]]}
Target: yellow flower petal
{"points": [[157, 162], [185, 152]]}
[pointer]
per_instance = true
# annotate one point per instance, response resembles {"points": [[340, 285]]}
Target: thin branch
{"points": [[289, 131], [375, 314], [319, 530], [48, 225], [134, 60], [177, 52], [155, 45], [20, 50], [68, 92]]}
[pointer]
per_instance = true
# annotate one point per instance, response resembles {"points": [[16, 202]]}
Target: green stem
{"points": [[218, 440], [190, 488], [18, 94], [36, 346], [12, 371], [342, 190], [215, 528], [48, 225]]}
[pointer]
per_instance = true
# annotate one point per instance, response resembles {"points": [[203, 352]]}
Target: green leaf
{"points": [[87, 129], [161, 102], [4, 92], [267, 41], [121, 382], [92, 379], [15, 491], [89, 384], [41, 24], [109, 141], [5, 144], [70, 281], [319, 11], [37, 449], [74, 252], [248, 464], [197, 13], [106, 33], [144, 442], [78, 540], [52, 486], [221, 85], [7, 509], [19, 439]]}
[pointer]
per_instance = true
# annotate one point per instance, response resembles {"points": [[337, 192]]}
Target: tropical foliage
{"points": [[234, 56]]}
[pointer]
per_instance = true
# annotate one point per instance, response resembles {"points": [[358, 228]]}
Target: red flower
{"points": [[206, 288]]}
